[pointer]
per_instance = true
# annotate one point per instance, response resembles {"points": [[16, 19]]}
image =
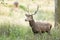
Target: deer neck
{"points": [[32, 23]]}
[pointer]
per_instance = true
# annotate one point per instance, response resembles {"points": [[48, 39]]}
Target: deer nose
{"points": [[25, 20]]}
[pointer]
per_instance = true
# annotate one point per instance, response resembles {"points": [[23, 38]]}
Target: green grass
{"points": [[47, 15], [20, 32], [10, 30]]}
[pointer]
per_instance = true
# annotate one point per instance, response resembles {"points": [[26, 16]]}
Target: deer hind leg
{"points": [[48, 32], [40, 32]]}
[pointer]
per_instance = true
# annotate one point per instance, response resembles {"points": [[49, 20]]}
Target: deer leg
{"points": [[34, 32], [48, 32], [40, 32]]}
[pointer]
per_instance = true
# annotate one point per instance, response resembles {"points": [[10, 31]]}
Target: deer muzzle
{"points": [[25, 19]]}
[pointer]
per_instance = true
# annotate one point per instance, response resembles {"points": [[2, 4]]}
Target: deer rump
{"points": [[40, 27]]}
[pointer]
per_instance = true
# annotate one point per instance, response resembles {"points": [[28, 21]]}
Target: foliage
{"points": [[23, 7], [12, 31]]}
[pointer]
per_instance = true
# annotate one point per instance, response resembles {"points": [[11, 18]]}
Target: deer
{"points": [[38, 27]]}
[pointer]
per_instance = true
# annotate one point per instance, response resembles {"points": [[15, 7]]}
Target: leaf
{"points": [[23, 7]]}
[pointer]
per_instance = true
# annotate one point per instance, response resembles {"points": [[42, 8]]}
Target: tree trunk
{"points": [[57, 13]]}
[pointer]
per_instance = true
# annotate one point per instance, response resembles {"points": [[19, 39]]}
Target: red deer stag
{"points": [[38, 27]]}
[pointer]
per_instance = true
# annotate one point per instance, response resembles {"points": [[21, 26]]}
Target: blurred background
{"points": [[12, 19], [9, 11]]}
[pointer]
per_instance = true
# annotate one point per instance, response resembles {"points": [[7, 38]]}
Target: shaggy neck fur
{"points": [[32, 23]]}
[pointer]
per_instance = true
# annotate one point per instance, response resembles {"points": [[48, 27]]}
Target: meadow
{"points": [[14, 27]]}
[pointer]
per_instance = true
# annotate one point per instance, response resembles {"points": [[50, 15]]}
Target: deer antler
{"points": [[27, 9], [36, 10]]}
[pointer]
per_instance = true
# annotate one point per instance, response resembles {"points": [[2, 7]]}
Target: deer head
{"points": [[29, 17]]}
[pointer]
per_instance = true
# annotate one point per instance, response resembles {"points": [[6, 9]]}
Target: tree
{"points": [[57, 12]]}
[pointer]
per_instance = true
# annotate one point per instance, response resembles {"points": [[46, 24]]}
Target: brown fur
{"points": [[38, 27]]}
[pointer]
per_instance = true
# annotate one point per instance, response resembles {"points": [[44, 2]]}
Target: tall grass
{"points": [[10, 30], [13, 29]]}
